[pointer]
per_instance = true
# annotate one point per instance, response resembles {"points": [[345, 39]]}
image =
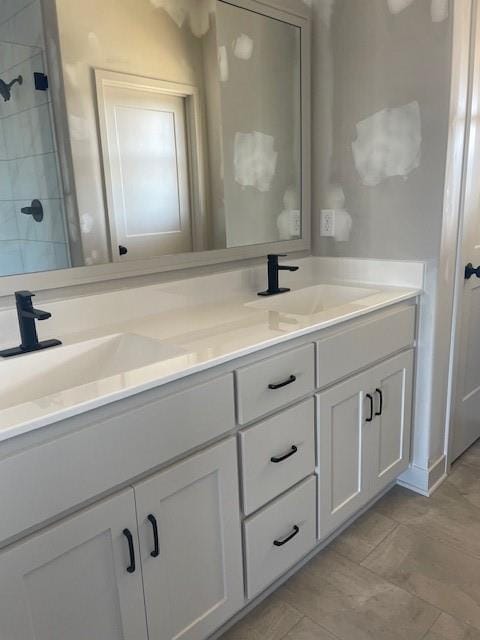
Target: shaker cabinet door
{"points": [[392, 387], [70, 581], [341, 414], [190, 541]]}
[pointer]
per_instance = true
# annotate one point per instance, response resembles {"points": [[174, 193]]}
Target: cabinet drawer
{"points": [[277, 453], [343, 352], [279, 536], [270, 384]]}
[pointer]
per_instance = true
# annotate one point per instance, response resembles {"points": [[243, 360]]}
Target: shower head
{"points": [[5, 88]]}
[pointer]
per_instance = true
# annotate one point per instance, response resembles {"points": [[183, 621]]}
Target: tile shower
{"points": [[29, 166]]}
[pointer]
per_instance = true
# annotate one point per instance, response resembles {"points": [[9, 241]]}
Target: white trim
{"points": [[115, 271], [464, 30], [424, 481]]}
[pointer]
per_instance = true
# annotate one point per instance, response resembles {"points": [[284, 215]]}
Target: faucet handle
{"points": [[23, 298]]}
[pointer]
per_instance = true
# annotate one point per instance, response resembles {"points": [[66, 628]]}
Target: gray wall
{"points": [[382, 60], [366, 58]]}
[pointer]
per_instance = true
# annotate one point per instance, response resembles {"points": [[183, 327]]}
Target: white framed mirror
{"points": [[139, 136]]}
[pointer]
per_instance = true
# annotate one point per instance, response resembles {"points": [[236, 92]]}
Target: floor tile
{"points": [[472, 455], [363, 536], [466, 479], [306, 629], [447, 516], [448, 628], [353, 603], [431, 570], [271, 620]]}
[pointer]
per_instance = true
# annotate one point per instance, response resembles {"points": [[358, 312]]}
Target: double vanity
{"points": [[173, 461]]}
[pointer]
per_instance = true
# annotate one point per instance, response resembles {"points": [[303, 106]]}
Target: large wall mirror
{"points": [[143, 132]]}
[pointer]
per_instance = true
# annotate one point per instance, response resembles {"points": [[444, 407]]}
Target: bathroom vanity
{"points": [[166, 500], [189, 444]]}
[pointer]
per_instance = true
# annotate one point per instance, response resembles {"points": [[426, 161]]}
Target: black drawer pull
{"points": [[279, 385], [292, 451], [156, 547], [131, 550], [280, 543], [370, 399], [380, 408]]}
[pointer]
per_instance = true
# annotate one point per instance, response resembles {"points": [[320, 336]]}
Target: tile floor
{"points": [[409, 569]]}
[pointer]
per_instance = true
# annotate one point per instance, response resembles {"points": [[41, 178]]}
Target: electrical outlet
{"points": [[327, 223]]}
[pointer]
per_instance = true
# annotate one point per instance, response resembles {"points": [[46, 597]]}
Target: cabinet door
{"points": [[341, 417], [392, 386], [70, 582], [194, 580]]}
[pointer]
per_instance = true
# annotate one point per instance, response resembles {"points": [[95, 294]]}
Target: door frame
{"points": [[466, 27], [195, 145]]}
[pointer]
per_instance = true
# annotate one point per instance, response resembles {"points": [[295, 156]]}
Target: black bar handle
{"points": [[131, 549], [292, 451], [280, 543], [470, 271], [380, 409], [279, 385], [370, 399], [156, 547]]}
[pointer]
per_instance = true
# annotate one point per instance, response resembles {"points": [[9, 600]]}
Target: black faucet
{"points": [[273, 269], [28, 331]]}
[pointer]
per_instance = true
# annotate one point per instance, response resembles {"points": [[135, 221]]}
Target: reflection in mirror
{"points": [[133, 129]]}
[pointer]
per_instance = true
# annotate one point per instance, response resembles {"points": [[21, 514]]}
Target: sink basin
{"points": [[33, 376], [312, 300]]}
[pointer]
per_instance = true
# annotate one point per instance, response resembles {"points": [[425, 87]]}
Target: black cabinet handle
{"points": [[292, 451], [122, 250], [370, 399], [380, 409], [131, 550], [470, 271], [280, 543], [156, 547], [279, 385]]}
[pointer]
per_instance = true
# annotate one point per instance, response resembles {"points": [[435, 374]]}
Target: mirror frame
{"points": [[291, 11]]}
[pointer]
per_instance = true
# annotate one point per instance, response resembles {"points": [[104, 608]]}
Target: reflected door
{"points": [[144, 144], [467, 405]]}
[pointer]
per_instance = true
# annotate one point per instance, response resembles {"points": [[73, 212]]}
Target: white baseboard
{"points": [[424, 481]]}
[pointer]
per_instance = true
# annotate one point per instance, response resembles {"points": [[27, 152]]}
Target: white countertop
{"points": [[201, 336]]}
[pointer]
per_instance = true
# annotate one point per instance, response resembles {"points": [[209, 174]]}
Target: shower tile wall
{"points": [[29, 165]]}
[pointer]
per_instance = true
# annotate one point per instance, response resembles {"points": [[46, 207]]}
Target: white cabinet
{"points": [[70, 582], [392, 384], [363, 438], [82, 578], [190, 540], [341, 452]]}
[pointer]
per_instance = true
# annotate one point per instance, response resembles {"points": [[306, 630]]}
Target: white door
{"points": [[391, 387], [342, 411], [190, 541], [70, 581], [466, 424], [145, 155]]}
